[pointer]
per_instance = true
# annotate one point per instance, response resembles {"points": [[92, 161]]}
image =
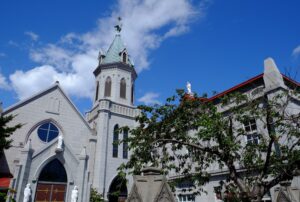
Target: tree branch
{"points": [[199, 147]]}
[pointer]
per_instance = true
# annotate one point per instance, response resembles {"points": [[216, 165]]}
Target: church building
{"points": [[59, 155], [57, 150]]}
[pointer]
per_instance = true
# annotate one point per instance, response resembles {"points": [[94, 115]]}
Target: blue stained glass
{"points": [[53, 127], [47, 132], [44, 126]]}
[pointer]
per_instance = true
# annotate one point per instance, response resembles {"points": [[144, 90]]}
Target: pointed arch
{"points": [[54, 171], [123, 88], [107, 90], [39, 123], [117, 190], [52, 182], [115, 141]]}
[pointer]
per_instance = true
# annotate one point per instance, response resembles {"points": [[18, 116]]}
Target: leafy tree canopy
{"points": [[189, 136], [6, 131]]}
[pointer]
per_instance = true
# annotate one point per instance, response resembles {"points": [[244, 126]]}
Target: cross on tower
{"points": [[118, 27]]}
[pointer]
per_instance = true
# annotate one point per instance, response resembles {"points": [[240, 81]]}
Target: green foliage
{"points": [[95, 196], [187, 135], [9, 194], [6, 131]]}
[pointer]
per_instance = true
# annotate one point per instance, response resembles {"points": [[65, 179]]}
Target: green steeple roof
{"points": [[115, 51]]}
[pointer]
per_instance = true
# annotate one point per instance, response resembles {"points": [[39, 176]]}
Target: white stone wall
{"points": [[49, 106]]}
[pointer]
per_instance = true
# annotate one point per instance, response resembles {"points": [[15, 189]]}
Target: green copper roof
{"points": [[114, 52]]}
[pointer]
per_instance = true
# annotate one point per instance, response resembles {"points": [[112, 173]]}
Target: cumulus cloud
{"points": [[33, 36], [73, 83], [149, 98], [3, 83], [296, 51], [72, 59]]}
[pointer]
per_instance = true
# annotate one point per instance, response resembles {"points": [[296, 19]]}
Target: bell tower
{"points": [[113, 107], [115, 74]]}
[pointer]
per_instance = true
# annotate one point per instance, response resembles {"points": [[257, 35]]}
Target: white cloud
{"points": [[3, 83], [150, 98], [33, 36], [27, 83], [296, 51], [146, 23], [51, 54]]}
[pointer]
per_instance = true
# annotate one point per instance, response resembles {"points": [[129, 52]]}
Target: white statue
{"points": [[60, 142], [74, 195], [189, 88], [27, 193]]}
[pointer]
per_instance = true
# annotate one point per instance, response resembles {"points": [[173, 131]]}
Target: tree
{"points": [[188, 134], [95, 196], [6, 131]]}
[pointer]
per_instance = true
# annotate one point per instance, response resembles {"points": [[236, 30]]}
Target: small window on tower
{"points": [[97, 89], [123, 88], [125, 144], [132, 93], [115, 141], [124, 57], [107, 90]]}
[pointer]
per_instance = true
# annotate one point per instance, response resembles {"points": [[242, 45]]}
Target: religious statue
{"points": [[27, 193], [74, 195], [189, 88], [60, 142]]}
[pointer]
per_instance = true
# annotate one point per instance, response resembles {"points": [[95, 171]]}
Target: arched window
{"points": [[123, 88], [132, 93], [125, 144], [54, 171], [124, 59], [47, 132], [97, 89], [107, 90], [117, 190], [115, 141]]}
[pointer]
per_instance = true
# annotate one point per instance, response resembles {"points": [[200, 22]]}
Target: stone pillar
{"points": [[81, 174], [24, 169], [99, 178]]}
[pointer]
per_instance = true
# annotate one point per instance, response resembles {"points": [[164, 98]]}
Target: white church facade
{"points": [[60, 155], [57, 148]]}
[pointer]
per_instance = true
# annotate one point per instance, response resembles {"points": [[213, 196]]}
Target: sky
{"points": [[213, 44]]}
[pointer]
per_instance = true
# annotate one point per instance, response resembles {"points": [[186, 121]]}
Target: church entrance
{"points": [[117, 190], [52, 183]]}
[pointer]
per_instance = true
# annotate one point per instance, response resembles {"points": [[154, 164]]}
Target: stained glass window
{"points": [[47, 132]]}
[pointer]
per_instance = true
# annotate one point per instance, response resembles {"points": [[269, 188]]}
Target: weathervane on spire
{"points": [[118, 27]]}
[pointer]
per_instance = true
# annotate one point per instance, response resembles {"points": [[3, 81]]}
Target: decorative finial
{"points": [[118, 27]]}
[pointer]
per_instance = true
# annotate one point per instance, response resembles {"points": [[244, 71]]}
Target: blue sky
{"points": [[213, 44]]}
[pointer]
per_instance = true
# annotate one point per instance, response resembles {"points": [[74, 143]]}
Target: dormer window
{"points": [[124, 57]]}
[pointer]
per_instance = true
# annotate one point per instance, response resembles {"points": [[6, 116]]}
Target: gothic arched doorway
{"points": [[117, 190], [52, 183]]}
